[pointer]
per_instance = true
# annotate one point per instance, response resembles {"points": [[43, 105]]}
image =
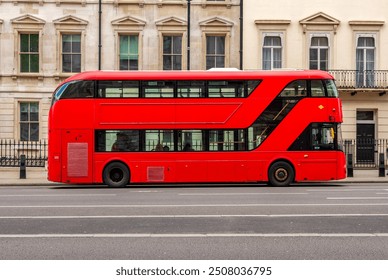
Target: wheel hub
{"points": [[281, 174], [116, 175]]}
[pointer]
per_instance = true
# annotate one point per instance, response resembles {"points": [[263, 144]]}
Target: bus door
{"points": [[77, 156]]}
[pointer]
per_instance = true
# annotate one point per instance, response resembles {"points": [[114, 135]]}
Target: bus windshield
{"points": [[331, 88], [74, 89]]}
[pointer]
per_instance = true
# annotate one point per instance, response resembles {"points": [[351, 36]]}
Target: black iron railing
{"points": [[363, 153], [366, 153], [11, 152]]}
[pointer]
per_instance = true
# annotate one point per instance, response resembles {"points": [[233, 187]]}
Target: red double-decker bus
{"points": [[117, 128]]}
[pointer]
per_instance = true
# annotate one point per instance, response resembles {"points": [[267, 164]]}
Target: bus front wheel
{"points": [[281, 174], [116, 174]]}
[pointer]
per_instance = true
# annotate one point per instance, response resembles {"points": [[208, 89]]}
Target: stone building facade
{"points": [[348, 38], [44, 41]]}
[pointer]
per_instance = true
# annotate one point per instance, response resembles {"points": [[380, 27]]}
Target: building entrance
{"points": [[366, 142]]}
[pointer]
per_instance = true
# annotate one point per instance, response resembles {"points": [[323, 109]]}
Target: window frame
{"points": [[172, 55], [29, 121], [139, 35], [217, 26], [363, 79], [30, 53], [71, 54], [69, 25], [319, 48], [129, 35], [366, 28], [273, 34], [128, 25], [19, 53], [215, 55], [27, 24]]}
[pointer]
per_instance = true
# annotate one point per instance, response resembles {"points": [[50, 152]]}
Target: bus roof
{"points": [[199, 75]]}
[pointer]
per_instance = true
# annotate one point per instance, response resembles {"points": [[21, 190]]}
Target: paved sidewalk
{"points": [[366, 176], [37, 176], [34, 176]]}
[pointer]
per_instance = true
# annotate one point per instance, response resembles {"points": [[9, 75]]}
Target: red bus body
{"points": [[73, 156]]}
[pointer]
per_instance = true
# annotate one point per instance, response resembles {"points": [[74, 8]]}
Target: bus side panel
{"points": [[157, 170], [193, 167], [308, 165], [316, 166], [137, 112], [146, 167], [54, 156], [167, 168], [167, 114], [212, 113], [72, 114], [77, 147], [341, 166], [296, 121], [319, 166]]}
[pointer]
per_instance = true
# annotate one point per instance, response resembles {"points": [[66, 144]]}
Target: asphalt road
{"points": [[319, 221]]}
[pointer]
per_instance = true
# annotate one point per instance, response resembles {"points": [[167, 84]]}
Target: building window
{"points": [[29, 121], [272, 52], [365, 61], [215, 52], [29, 53], [319, 53], [129, 52], [71, 53], [172, 52]]}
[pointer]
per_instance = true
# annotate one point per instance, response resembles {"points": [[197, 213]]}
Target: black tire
{"points": [[281, 174], [116, 174]]}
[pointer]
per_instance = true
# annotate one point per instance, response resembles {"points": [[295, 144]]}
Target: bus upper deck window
{"points": [[317, 88], [117, 89], [158, 89], [190, 89], [79, 89], [296, 88], [58, 93], [252, 85], [224, 88]]}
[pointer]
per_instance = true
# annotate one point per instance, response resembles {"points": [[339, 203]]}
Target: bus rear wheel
{"points": [[116, 174], [281, 174]]}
